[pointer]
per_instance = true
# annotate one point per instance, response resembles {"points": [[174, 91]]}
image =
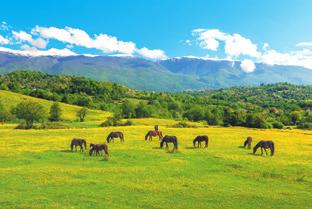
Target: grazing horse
{"points": [[247, 142], [98, 148], [113, 135], [200, 139], [169, 139], [78, 142], [152, 133], [264, 145]]}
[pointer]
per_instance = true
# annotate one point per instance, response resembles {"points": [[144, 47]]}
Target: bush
{"points": [[183, 124], [29, 112], [278, 125], [305, 125], [49, 125], [113, 121]]}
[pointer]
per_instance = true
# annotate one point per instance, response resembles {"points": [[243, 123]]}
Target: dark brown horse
{"points": [[78, 142], [199, 140], [247, 142], [153, 133], [98, 148], [264, 145], [113, 135], [169, 139]]}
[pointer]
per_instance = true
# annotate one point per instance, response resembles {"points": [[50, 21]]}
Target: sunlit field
{"points": [[38, 171]]}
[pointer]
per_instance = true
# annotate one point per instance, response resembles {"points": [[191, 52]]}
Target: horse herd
{"points": [[98, 149]]}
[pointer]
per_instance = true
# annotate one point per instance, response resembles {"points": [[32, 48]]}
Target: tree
{"points": [[30, 112], [4, 113], [128, 110], [81, 114], [143, 111], [55, 112]]}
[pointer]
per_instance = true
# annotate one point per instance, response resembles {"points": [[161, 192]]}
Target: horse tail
{"points": [[207, 142], [84, 144], [106, 150], [147, 135], [176, 143], [245, 143], [272, 149], [72, 146], [108, 138], [122, 136], [194, 142]]}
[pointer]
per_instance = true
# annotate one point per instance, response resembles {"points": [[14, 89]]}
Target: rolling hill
{"points": [[10, 99], [175, 74]]}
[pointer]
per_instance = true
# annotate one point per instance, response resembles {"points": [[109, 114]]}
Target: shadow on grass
{"points": [[156, 148], [190, 147], [69, 151], [242, 147]]}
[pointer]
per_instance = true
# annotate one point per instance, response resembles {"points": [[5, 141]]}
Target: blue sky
{"points": [[165, 28]]}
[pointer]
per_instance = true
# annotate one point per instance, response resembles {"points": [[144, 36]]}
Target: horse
{"points": [[78, 142], [169, 139], [98, 148], [152, 133], [264, 145], [247, 142], [200, 139], [113, 135]]}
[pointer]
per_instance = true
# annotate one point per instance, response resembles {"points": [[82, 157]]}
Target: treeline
{"points": [[265, 106]]}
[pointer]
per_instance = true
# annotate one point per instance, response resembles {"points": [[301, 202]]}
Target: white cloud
{"points": [[23, 36], [304, 44], [234, 45], [301, 58], [248, 66], [152, 54], [103, 42], [4, 26], [31, 51], [4, 40]]}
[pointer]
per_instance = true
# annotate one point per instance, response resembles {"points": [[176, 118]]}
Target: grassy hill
{"points": [[37, 171], [11, 99]]}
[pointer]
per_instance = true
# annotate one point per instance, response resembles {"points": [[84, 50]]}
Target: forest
{"points": [[279, 105]]}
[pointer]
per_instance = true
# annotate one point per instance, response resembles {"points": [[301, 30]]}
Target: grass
{"points": [[37, 171], [11, 99]]}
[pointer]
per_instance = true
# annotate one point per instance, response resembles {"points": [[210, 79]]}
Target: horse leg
{"points": [[261, 151], [167, 145], [266, 151]]}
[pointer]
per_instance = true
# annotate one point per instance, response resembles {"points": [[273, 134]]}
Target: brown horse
{"points": [[78, 142], [98, 148], [153, 133], [113, 135], [264, 145], [200, 139], [247, 142]]}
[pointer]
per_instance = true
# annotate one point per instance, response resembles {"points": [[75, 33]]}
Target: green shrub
{"points": [[278, 125]]}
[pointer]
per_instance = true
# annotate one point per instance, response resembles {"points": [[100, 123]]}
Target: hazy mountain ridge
{"points": [[175, 74]]}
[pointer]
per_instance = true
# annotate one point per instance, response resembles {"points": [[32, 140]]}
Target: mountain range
{"points": [[175, 74]]}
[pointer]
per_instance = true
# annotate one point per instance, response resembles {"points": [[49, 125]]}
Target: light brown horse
{"points": [[247, 142], [153, 133]]}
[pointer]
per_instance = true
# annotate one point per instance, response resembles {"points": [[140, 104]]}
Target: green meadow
{"points": [[38, 171]]}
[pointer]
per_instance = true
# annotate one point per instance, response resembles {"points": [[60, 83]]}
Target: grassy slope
{"points": [[11, 99], [36, 171]]}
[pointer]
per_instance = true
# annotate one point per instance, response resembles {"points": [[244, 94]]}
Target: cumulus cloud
{"points": [[4, 40], [298, 58], [248, 66], [26, 37], [304, 44], [238, 47], [152, 54], [103, 42], [234, 44], [4, 26], [31, 51]]}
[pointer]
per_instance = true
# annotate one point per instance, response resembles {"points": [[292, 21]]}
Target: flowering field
{"points": [[38, 171]]}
